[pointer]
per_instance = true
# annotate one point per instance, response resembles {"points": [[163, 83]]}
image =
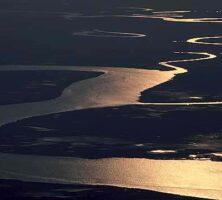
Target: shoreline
{"points": [[160, 176], [116, 87], [80, 192]]}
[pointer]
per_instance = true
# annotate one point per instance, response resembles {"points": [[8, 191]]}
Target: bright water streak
{"points": [[184, 177], [117, 86]]}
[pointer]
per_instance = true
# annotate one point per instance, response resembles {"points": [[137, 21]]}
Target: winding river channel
{"points": [[117, 86]]}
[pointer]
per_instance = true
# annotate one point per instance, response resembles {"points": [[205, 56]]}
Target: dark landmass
{"points": [[94, 5], [19, 190], [202, 83], [130, 131], [37, 32], [31, 86]]}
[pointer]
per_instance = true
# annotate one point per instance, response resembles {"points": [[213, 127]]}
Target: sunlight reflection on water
{"points": [[191, 178]]}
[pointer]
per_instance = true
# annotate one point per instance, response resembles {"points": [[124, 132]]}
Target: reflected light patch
{"points": [[108, 34], [196, 97], [162, 151], [198, 178], [218, 154], [193, 20], [202, 40]]}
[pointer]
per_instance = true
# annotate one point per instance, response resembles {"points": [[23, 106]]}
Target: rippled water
{"points": [[163, 61], [203, 180]]}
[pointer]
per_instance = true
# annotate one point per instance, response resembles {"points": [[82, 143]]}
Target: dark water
{"points": [[125, 34]]}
